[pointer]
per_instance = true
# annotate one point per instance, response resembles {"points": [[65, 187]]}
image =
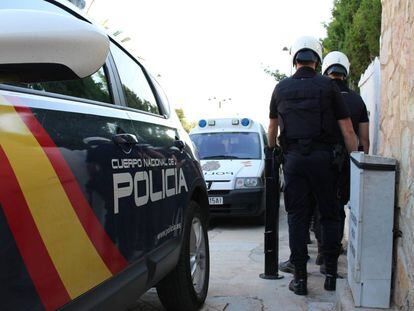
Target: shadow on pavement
{"points": [[234, 223]]}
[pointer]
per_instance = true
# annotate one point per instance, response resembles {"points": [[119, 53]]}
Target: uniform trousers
{"points": [[307, 175]]}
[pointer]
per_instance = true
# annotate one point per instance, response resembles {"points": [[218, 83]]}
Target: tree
{"points": [[342, 17], [186, 125], [355, 30], [276, 74]]}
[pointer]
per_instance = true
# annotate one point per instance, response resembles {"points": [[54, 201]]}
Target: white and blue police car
{"points": [[232, 158]]}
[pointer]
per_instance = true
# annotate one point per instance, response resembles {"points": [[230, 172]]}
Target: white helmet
{"points": [[335, 62], [305, 45]]}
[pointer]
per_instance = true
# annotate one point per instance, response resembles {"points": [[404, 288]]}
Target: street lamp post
{"points": [[220, 102]]}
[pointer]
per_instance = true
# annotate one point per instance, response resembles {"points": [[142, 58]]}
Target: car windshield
{"points": [[233, 145]]}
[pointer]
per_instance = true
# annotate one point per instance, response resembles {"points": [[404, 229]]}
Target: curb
{"points": [[345, 301]]}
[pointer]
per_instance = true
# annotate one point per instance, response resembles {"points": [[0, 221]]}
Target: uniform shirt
{"points": [[357, 108], [340, 109]]}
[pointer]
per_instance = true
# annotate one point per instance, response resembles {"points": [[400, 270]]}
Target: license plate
{"points": [[215, 200]]}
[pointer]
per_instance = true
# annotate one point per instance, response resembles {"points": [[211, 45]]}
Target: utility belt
{"points": [[306, 146]]}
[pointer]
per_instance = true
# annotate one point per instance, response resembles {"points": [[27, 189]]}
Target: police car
{"points": [[101, 194], [232, 158]]}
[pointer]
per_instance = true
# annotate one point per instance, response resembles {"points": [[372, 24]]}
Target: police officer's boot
{"points": [[287, 267], [299, 283], [331, 276]]}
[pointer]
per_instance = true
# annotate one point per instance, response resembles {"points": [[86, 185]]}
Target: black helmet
{"points": [[336, 69], [306, 55]]}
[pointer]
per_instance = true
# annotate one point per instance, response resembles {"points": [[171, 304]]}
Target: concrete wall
{"points": [[397, 132], [370, 91]]}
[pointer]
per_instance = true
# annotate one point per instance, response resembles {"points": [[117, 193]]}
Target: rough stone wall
{"points": [[397, 132]]}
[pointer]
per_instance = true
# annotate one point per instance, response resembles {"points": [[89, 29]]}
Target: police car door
{"points": [[61, 231], [159, 185]]}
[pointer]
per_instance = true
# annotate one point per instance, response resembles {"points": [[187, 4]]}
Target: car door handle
{"points": [[179, 144], [125, 139]]}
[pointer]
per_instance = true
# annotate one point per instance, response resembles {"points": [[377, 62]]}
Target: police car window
{"points": [[138, 93], [94, 87], [162, 95]]}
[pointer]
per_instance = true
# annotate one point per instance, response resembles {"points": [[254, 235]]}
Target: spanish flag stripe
{"points": [[75, 258], [43, 273], [100, 239]]}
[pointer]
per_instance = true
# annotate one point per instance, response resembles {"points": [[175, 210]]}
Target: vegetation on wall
{"points": [[355, 30]]}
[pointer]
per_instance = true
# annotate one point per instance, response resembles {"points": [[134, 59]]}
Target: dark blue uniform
{"points": [[359, 114], [355, 103], [308, 106]]}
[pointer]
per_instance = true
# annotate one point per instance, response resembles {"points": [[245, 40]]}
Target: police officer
{"points": [[308, 108], [336, 66]]}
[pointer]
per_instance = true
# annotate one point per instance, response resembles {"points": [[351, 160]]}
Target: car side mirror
{"points": [[38, 46]]}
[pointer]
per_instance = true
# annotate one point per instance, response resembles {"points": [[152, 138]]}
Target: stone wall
{"points": [[397, 132]]}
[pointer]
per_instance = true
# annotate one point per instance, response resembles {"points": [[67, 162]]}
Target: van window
{"points": [[230, 145], [137, 91], [94, 87]]}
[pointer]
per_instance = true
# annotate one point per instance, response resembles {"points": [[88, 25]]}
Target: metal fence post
{"points": [[271, 234]]}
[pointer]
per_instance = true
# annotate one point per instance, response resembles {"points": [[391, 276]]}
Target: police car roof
{"points": [[215, 125], [68, 6]]}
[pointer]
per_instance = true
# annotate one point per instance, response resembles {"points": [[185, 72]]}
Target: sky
{"points": [[206, 52]]}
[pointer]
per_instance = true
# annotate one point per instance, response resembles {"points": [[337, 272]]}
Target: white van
{"points": [[232, 158]]}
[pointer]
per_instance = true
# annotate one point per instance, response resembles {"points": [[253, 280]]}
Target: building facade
{"points": [[396, 136]]}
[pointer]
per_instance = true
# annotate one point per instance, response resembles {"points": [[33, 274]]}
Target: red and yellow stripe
{"points": [[46, 279], [65, 248]]}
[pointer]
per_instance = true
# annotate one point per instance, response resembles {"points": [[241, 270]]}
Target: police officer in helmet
{"points": [[336, 66], [312, 116]]}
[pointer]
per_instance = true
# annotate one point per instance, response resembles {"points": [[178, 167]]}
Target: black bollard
{"points": [[272, 194]]}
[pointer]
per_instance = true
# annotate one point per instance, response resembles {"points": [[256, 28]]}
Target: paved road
{"points": [[236, 251]]}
